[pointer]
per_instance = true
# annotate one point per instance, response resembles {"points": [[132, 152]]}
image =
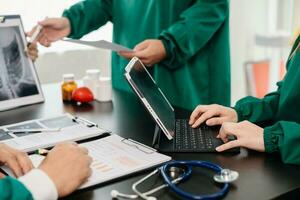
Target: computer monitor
{"points": [[19, 84]]}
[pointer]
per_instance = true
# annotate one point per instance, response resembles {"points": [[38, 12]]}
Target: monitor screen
{"points": [[16, 77], [147, 88], [19, 84]]}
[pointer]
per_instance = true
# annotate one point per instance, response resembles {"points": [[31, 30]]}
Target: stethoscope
{"points": [[175, 172]]}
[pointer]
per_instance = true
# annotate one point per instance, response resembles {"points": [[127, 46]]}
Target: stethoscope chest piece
{"points": [[176, 172], [226, 176]]}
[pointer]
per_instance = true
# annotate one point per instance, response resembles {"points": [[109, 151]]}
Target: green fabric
{"points": [[194, 33], [12, 189], [280, 110]]}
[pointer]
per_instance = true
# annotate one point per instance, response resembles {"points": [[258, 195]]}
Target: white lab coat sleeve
{"points": [[40, 185]]}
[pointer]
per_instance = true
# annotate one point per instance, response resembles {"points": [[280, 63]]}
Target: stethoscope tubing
{"points": [[186, 174], [164, 169], [171, 183]]}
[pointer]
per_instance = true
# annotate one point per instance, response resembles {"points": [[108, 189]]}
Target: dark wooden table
{"points": [[262, 176]]}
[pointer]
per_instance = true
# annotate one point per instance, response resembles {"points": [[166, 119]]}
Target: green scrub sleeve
{"points": [[258, 110], [87, 16], [284, 137], [12, 189], [193, 30]]}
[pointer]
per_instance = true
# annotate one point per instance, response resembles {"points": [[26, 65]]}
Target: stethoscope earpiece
{"points": [[116, 194], [151, 198]]}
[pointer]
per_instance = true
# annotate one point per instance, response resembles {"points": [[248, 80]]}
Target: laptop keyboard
{"points": [[190, 139]]}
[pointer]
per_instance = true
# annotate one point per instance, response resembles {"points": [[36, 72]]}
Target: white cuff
{"points": [[40, 185]]}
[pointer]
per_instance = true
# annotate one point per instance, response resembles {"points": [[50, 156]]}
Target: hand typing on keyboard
{"points": [[248, 135], [213, 115]]}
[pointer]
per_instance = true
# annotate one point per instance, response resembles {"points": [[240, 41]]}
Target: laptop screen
{"points": [[144, 84]]}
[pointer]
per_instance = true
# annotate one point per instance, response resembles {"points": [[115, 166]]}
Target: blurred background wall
{"points": [[259, 31]]}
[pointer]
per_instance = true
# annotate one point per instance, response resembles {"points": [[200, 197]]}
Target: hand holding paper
{"points": [[149, 52]]}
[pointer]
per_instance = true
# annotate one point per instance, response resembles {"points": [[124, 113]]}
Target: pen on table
{"points": [[85, 121], [16, 131], [42, 152], [34, 36]]}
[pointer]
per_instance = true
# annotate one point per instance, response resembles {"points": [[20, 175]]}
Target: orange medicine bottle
{"points": [[67, 87]]}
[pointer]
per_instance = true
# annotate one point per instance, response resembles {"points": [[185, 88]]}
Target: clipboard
{"points": [[68, 128], [144, 148], [113, 157], [19, 83]]}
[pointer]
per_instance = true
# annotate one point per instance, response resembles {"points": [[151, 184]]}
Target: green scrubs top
{"points": [[12, 189], [194, 33], [281, 111]]}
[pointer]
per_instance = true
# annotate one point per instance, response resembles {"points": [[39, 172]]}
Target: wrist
{"points": [[239, 115], [68, 21], [261, 141], [67, 25], [166, 48], [234, 115]]}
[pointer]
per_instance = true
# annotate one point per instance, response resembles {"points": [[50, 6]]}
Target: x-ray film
{"points": [[19, 84]]}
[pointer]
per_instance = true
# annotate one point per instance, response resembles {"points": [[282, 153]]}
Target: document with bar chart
{"points": [[114, 157]]}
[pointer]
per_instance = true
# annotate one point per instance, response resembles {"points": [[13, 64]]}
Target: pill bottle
{"points": [[104, 90], [67, 87], [91, 80]]}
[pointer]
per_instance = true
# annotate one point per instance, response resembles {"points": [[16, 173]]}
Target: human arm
{"points": [[39, 185], [87, 16], [258, 110], [76, 21], [149, 52], [212, 115], [17, 161], [179, 42], [282, 137], [193, 31], [247, 135], [68, 166], [249, 108], [12, 189], [65, 168]]}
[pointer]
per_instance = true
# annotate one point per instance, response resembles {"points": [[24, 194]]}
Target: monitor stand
{"points": [[160, 142], [156, 137]]}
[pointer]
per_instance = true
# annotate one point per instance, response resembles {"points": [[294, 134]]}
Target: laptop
{"points": [[180, 136]]}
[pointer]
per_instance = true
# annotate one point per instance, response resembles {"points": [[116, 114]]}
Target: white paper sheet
{"points": [[102, 44], [113, 158]]}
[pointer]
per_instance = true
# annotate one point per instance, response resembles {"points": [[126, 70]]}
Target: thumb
{"points": [[141, 46], [228, 145], [126, 54]]}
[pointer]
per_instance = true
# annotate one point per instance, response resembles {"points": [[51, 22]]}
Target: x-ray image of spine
{"points": [[16, 76]]}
